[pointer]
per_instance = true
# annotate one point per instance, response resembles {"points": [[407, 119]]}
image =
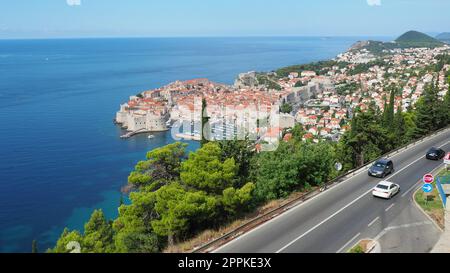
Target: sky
{"points": [[174, 18]]}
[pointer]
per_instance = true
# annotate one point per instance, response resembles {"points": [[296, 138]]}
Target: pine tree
{"points": [[446, 106], [388, 116], [427, 112], [98, 234], [399, 127]]}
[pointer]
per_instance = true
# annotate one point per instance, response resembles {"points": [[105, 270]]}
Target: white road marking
{"points": [[386, 230], [406, 167], [324, 221], [348, 205], [411, 189], [390, 207], [349, 242], [321, 195], [374, 221]]}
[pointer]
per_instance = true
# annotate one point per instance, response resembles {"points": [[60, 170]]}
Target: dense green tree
{"points": [[66, 241], [293, 166], [446, 107], [181, 212], [399, 128], [410, 125], [135, 219], [205, 170], [298, 132], [242, 151], [388, 117], [427, 112], [286, 108], [98, 234], [161, 167], [366, 140], [140, 243], [238, 201]]}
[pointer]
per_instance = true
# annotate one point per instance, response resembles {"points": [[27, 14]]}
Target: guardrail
{"points": [[293, 203]]}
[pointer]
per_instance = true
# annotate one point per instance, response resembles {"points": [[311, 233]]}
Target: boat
{"points": [[151, 137]]}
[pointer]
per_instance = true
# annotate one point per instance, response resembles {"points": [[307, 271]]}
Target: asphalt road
{"points": [[335, 220]]}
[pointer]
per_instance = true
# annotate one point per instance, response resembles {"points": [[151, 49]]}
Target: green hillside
{"points": [[417, 39], [444, 37], [407, 40]]}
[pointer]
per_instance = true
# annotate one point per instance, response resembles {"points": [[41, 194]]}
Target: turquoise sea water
{"points": [[60, 153]]}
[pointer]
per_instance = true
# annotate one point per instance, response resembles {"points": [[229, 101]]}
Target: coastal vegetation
{"points": [[176, 196], [364, 67], [320, 68], [410, 39], [268, 81]]}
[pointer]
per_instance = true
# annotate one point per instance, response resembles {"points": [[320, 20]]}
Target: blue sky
{"points": [[112, 18]]}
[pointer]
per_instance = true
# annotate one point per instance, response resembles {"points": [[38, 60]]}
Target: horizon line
{"points": [[192, 37]]}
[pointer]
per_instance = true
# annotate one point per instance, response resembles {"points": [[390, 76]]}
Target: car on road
{"points": [[381, 168], [435, 154], [386, 190]]}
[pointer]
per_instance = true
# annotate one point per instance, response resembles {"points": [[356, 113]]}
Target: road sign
{"points": [[428, 178], [447, 159], [427, 188]]}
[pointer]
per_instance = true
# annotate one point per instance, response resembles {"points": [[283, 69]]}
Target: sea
{"points": [[61, 156]]}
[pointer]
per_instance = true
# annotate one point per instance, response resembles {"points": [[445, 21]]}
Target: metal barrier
{"points": [[291, 204]]}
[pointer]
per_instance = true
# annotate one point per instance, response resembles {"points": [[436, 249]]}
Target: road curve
{"points": [[331, 221]]}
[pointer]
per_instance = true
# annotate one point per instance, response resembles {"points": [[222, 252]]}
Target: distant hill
{"points": [[407, 40], [417, 39], [444, 37]]}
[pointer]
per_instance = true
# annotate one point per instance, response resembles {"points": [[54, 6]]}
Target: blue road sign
{"points": [[427, 188]]}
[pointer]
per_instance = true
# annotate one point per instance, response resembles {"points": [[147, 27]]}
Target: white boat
{"points": [[151, 136]]}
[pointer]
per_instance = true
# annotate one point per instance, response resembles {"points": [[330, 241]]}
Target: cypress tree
{"points": [[427, 111]]}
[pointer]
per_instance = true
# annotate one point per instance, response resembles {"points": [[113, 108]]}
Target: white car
{"points": [[386, 190]]}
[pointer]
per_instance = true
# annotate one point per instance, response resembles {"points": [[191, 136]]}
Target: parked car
{"points": [[381, 168], [435, 154], [386, 190]]}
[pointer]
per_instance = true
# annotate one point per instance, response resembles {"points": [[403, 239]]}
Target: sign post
{"points": [[427, 187]]}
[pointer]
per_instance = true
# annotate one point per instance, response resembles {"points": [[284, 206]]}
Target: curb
{"points": [[424, 212], [371, 246]]}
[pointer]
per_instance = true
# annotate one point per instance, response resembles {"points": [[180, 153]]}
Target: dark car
{"points": [[381, 168], [435, 154]]}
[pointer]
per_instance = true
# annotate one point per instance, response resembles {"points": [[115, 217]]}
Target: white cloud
{"points": [[374, 2], [73, 2]]}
